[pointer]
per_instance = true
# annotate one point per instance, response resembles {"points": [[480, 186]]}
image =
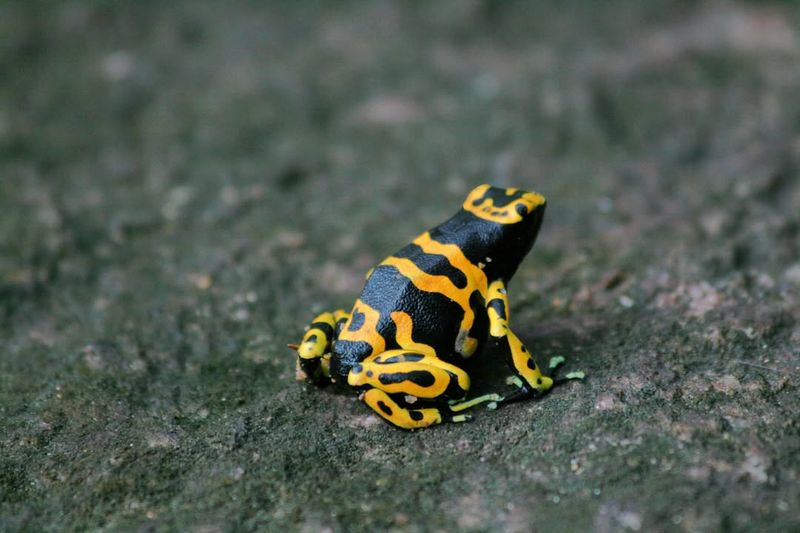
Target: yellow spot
{"points": [[466, 345]]}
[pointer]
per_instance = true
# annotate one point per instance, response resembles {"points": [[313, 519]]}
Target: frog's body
{"points": [[425, 309]]}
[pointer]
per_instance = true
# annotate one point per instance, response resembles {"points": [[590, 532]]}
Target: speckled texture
{"points": [[183, 186]]}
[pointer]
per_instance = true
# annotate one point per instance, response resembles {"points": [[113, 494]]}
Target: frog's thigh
{"points": [[385, 406], [411, 373]]}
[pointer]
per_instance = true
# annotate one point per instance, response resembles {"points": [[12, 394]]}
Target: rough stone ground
{"points": [[183, 185]]}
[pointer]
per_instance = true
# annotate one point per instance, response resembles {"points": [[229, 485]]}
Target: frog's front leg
{"points": [[313, 352], [386, 377], [527, 375]]}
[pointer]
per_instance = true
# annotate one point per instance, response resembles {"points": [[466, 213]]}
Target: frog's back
{"points": [[421, 295]]}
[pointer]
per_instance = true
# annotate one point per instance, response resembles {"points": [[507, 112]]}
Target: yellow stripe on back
{"points": [[368, 332], [404, 326], [476, 278]]}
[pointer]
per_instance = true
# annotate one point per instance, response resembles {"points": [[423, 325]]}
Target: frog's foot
{"points": [[313, 352], [524, 391], [555, 362], [404, 417], [415, 376]]}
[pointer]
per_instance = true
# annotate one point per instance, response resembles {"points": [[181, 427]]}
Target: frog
{"points": [[427, 309]]}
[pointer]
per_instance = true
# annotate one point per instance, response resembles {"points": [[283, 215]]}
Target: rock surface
{"points": [[183, 185]]}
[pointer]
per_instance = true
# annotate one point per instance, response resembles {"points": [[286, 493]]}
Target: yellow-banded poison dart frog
{"points": [[427, 308]]}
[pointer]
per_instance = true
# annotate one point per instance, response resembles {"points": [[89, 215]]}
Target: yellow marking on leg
{"points": [[525, 365], [325, 365], [370, 374], [340, 316], [386, 407], [521, 358], [497, 291], [316, 341], [368, 332], [460, 406], [326, 317], [498, 326], [403, 361], [433, 360]]}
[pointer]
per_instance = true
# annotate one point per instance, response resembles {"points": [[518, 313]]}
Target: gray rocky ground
{"points": [[183, 185]]}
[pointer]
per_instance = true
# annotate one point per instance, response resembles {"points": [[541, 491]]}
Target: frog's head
{"points": [[507, 207], [510, 220]]}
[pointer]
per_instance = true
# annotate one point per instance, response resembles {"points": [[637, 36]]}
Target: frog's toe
{"points": [[556, 361], [570, 377], [464, 417], [460, 405]]}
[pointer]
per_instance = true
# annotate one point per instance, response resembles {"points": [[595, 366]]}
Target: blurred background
{"points": [[184, 185]]}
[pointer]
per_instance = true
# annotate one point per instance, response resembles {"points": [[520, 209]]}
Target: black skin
{"points": [[436, 319]]}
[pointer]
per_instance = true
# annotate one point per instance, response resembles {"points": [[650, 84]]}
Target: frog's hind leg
{"points": [[405, 417], [313, 352], [528, 377], [412, 376]]}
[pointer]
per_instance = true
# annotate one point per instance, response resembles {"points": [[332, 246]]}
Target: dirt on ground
{"points": [[184, 185]]}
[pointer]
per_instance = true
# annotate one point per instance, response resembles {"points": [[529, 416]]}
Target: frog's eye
{"points": [[522, 209]]}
